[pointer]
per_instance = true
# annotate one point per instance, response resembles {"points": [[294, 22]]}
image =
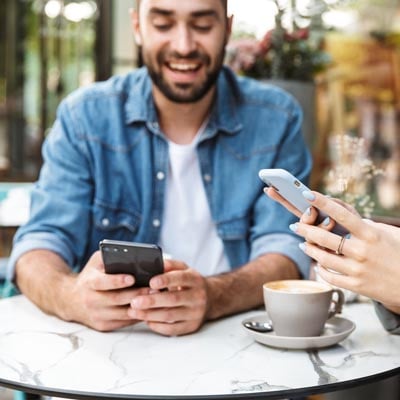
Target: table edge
{"points": [[274, 394]]}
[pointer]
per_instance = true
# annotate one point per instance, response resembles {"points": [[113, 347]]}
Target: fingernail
{"points": [[156, 283], [308, 195], [134, 303], [308, 211], [294, 227], [302, 246], [326, 221], [348, 236], [129, 280]]}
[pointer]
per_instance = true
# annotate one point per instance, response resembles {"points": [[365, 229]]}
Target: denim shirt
{"points": [[106, 160]]}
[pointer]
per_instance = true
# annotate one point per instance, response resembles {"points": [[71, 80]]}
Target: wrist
{"points": [[65, 297]]}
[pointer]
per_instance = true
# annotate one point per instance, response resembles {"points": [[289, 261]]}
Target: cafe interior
{"points": [[339, 58]]}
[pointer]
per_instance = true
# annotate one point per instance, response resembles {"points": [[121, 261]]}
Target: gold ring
{"points": [[340, 247]]}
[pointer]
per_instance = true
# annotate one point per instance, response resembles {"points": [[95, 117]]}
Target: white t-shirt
{"points": [[188, 232]]}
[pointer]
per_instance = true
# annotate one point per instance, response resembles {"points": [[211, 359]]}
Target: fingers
{"points": [[108, 326], [176, 278], [180, 309], [172, 298], [308, 217], [174, 265], [343, 216], [95, 277], [106, 282], [338, 245], [339, 264], [175, 329], [118, 313], [274, 195], [337, 279]]}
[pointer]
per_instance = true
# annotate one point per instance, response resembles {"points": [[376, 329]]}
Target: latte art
{"points": [[297, 286], [300, 289]]}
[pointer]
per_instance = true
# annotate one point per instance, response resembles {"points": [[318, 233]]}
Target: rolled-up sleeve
{"points": [[35, 241], [60, 209], [389, 320], [271, 233], [284, 244]]}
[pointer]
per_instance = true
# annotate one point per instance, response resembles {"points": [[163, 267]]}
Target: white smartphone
{"points": [[290, 188]]}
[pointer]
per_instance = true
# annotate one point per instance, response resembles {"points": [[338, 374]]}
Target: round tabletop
{"points": [[45, 355]]}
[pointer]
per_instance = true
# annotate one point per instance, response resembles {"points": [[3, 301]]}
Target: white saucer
{"points": [[336, 329]]}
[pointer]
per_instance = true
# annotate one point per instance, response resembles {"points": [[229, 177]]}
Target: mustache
{"points": [[176, 56]]}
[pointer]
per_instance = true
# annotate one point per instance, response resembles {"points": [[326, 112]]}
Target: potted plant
{"points": [[289, 56]]}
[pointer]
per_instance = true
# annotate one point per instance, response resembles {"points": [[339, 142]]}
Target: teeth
{"points": [[183, 67]]}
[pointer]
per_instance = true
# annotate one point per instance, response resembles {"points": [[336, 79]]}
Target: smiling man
{"points": [[168, 154]]}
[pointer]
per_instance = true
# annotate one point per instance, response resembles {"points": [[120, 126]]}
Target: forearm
{"points": [[241, 289], [46, 280]]}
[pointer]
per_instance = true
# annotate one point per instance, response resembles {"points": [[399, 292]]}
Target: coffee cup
{"points": [[300, 308]]}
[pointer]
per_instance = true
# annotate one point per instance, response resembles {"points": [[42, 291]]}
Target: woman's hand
{"points": [[368, 262]]}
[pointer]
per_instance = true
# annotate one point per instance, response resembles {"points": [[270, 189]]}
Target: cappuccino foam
{"points": [[297, 286]]}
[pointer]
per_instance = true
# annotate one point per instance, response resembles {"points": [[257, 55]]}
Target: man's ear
{"points": [[135, 26], [229, 28]]}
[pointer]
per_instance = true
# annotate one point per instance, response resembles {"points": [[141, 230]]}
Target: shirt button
{"points": [[207, 177], [155, 125], [105, 222], [156, 223], [160, 175]]}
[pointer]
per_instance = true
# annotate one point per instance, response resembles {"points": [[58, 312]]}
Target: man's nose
{"points": [[184, 42]]}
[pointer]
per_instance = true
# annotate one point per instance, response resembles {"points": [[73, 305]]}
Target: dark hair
{"points": [[224, 3]]}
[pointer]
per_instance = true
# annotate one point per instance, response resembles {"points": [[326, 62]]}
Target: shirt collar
{"points": [[139, 105]]}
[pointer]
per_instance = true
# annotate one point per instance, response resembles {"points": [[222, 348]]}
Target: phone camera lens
{"points": [[297, 183], [125, 250], [115, 249]]}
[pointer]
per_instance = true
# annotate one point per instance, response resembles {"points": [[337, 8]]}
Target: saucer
{"points": [[336, 329]]}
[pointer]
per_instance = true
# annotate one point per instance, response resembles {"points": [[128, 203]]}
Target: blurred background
{"points": [[339, 58]]}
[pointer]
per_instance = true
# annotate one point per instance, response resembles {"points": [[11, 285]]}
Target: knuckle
{"points": [[371, 236], [140, 314], [174, 297], [201, 297], [146, 302], [164, 329], [361, 252], [103, 326], [324, 259], [170, 316], [341, 216], [114, 297]]}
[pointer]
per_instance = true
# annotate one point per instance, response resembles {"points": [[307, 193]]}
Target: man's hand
{"points": [[92, 297], [101, 301], [177, 303], [181, 300]]}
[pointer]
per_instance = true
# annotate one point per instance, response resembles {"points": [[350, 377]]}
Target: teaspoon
{"points": [[259, 326]]}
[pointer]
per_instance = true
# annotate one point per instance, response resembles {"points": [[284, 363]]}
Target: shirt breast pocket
{"points": [[114, 223]]}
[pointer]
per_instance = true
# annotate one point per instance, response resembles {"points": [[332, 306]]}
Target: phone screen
{"points": [[143, 261]]}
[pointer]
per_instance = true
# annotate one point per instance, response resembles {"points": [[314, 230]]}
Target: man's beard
{"points": [[185, 92]]}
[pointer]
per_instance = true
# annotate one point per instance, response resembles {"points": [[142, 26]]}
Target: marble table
{"points": [[44, 355]]}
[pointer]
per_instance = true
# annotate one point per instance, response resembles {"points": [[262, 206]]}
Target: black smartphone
{"points": [[141, 260]]}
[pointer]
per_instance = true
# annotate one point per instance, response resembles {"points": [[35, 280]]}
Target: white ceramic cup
{"points": [[300, 308]]}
